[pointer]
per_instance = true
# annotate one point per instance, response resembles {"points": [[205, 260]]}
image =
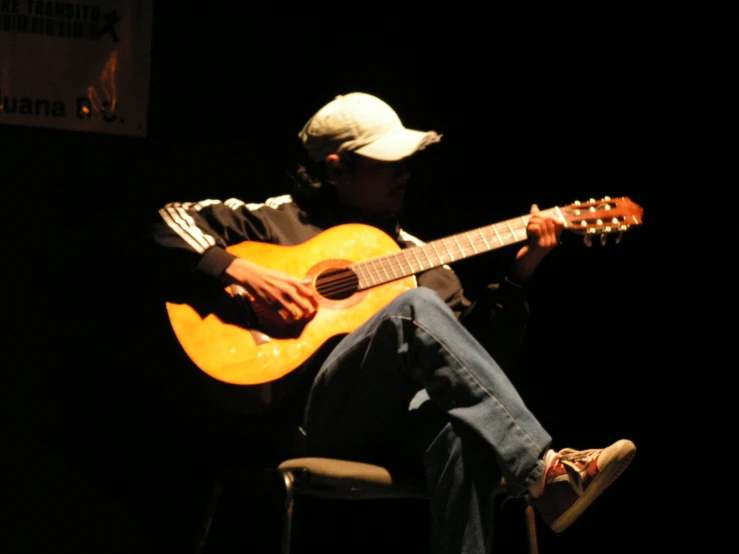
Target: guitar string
{"points": [[343, 282], [394, 260], [513, 230], [460, 250]]}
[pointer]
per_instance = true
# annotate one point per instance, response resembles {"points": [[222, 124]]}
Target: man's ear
{"points": [[333, 158], [335, 168]]}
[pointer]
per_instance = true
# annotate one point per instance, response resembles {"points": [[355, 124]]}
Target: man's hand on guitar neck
{"points": [[543, 234], [290, 298]]}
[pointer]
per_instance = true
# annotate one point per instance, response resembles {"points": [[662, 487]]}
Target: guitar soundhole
{"points": [[337, 283]]}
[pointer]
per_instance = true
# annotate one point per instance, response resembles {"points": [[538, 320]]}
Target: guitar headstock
{"points": [[602, 217]]}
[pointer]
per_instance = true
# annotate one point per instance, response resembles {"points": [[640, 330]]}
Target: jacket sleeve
{"points": [[193, 236], [188, 244]]}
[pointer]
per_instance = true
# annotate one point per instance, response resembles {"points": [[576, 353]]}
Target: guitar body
{"points": [[239, 354]]}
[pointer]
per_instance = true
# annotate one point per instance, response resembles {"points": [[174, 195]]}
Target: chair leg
{"points": [[215, 497], [531, 530], [288, 479]]}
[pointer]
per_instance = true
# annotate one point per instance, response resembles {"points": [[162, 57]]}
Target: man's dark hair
{"points": [[310, 180]]}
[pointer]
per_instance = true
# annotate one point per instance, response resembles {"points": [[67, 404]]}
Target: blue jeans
{"points": [[413, 385]]}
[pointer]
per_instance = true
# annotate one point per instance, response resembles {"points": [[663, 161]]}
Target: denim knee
{"points": [[412, 300]]}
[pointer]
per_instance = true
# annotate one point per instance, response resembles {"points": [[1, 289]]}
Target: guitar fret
{"points": [[472, 244], [512, 231], [395, 265], [382, 266], [425, 253], [357, 268], [443, 243], [385, 267], [367, 276], [368, 268], [456, 239], [413, 251], [497, 234], [373, 266], [484, 239], [373, 274], [441, 260], [407, 261], [407, 265]]}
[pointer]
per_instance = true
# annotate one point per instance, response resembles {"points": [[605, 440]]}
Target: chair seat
{"points": [[328, 477], [340, 479]]}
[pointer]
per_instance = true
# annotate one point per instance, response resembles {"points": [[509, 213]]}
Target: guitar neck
{"points": [[409, 261]]}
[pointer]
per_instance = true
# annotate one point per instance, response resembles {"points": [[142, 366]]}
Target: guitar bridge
{"points": [[259, 337]]}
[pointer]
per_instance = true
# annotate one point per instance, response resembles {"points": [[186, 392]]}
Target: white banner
{"points": [[77, 66]]}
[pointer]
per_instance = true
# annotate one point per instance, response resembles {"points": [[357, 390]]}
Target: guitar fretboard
{"points": [[409, 261]]}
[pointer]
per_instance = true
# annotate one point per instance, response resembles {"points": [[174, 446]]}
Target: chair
{"points": [[337, 479]]}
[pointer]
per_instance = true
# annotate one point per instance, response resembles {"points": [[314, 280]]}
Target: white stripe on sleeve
{"points": [[164, 212]]}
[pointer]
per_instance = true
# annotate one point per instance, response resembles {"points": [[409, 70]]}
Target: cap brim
{"points": [[399, 145]]}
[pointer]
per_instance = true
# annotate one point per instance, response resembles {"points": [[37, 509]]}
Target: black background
{"points": [[110, 445]]}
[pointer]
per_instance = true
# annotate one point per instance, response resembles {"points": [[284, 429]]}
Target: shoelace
{"points": [[577, 461], [584, 456]]}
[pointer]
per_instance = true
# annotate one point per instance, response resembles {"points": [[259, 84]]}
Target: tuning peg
{"points": [[588, 241]]}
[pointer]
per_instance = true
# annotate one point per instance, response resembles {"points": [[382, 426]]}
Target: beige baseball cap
{"points": [[362, 123]]}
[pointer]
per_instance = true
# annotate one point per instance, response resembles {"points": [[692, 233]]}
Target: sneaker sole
{"points": [[613, 469]]}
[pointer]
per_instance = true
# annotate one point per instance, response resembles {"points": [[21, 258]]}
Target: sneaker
{"points": [[577, 477]]}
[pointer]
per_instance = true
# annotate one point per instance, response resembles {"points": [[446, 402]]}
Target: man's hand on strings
{"points": [[543, 234], [292, 299]]}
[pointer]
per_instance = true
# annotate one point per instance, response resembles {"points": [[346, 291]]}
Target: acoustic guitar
{"points": [[355, 270]]}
